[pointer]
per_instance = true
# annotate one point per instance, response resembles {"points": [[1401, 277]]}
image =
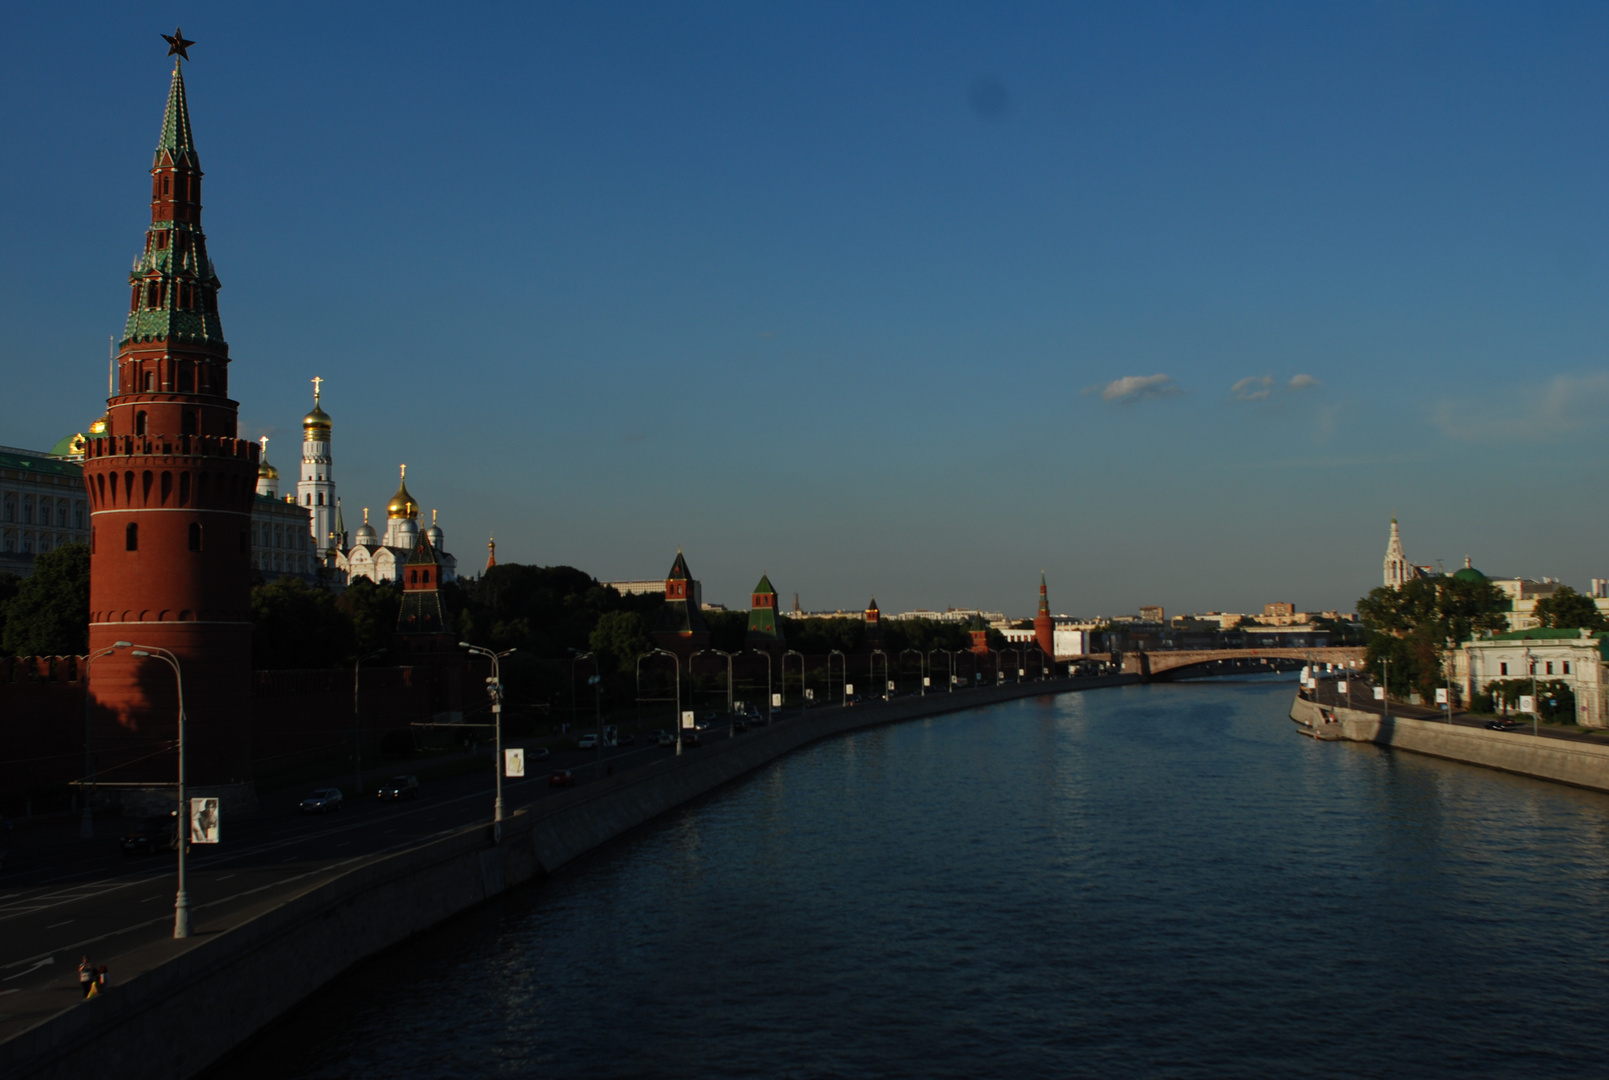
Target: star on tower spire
{"points": [[177, 44]]}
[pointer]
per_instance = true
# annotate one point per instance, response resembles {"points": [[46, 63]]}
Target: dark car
{"points": [[690, 738], [663, 738], [322, 801], [561, 778], [626, 740], [537, 753], [740, 724], [1503, 725], [151, 835], [399, 787]]}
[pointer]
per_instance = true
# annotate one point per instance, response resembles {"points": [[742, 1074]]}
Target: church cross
{"points": [[317, 385]]}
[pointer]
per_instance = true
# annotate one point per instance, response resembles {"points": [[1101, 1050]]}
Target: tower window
{"points": [[139, 417], [161, 241], [165, 181], [187, 421], [195, 536], [92, 539], [150, 385], [321, 498], [152, 294], [131, 537], [187, 380], [310, 500]]}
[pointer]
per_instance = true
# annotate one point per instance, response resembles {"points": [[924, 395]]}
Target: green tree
{"points": [[1567, 609], [9, 584], [1411, 626], [371, 608], [49, 615], [620, 637], [295, 625]]}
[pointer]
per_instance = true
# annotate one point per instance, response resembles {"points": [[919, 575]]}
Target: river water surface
{"points": [[1147, 881]]}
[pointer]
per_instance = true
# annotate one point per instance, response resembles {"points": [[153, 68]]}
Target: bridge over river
{"points": [[1176, 663]]}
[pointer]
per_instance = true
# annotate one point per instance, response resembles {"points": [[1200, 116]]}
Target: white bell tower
{"points": [[315, 491]]}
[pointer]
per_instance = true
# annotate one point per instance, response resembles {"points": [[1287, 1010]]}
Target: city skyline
{"points": [[1180, 306]]}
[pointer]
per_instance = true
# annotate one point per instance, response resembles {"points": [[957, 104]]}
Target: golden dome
{"points": [[402, 504], [98, 428], [317, 419], [266, 471]]}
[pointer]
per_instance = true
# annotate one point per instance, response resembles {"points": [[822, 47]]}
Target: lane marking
{"points": [[64, 922], [29, 971]]}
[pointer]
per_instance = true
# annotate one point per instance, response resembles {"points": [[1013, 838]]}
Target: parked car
{"points": [[664, 738], [627, 740], [1504, 725], [740, 724], [561, 778], [152, 835], [588, 742], [537, 753], [399, 787], [322, 801], [690, 738]]}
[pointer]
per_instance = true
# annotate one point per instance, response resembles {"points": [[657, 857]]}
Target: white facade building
{"points": [[382, 557]]}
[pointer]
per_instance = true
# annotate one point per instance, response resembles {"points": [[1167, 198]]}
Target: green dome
{"points": [[1468, 572], [70, 446]]}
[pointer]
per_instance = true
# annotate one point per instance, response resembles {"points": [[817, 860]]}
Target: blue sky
{"points": [[912, 300]]}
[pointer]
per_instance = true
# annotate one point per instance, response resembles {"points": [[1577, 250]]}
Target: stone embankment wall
{"points": [[1566, 761], [196, 1000]]}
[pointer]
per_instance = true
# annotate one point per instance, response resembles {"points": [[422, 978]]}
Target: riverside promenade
{"points": [[1567, 757], [299, 902]]}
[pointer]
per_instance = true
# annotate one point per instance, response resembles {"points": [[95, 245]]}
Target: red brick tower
{"points": [[170, 491], [1044, 628]]}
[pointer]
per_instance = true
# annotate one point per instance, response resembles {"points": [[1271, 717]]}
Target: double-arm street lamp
{"points": [[595, 680], [921, 666], [181, 825], [950, 658], [494, 687], [803, 701]]}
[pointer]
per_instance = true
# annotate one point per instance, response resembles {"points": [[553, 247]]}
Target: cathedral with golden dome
{"points": [[381, 556]]}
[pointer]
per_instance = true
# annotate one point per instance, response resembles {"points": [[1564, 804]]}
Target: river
{"points": [[1160, 881]]}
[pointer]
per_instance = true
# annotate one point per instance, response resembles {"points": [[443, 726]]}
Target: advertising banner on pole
{"points": [[776, 701], [849, 688], [891, 686], [687, 718], [1340, 686], [1379, 693], [204, 821], [1441, 695], [514, 761], [810, 695], [1527, 703]]}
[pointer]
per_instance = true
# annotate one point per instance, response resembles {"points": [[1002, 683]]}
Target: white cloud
{"points": [[1132, 388], [1563, 404], [1253, 387], [1302, 382]]}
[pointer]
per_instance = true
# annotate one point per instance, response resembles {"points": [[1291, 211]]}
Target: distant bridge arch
{"points": [[1174, 661]]}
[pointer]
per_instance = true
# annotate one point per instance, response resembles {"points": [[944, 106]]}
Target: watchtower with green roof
{"points": [[765, 631]]}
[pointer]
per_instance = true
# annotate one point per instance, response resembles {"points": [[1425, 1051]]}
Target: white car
{"points": [[588, 742]]}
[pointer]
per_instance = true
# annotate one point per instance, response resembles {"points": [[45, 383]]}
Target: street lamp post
{"points": [[718, 652], [843, 667], [800, 655], [676, 719], [357, 720], [595, 682], [181, 901], [872, 660], [86, 829], [921, 666], [950, 659], [494, 687], [768, 691]]}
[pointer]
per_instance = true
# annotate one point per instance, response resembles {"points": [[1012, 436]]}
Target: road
{"points": [[1362, 699], [62, 897]]}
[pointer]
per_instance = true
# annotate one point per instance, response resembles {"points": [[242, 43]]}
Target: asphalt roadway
{"points": [[62, 897]]}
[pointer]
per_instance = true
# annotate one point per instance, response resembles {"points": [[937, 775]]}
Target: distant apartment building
{"points": [[1152, 614]]}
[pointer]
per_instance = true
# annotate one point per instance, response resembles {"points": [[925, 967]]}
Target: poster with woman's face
{"points": [[204, 821]]}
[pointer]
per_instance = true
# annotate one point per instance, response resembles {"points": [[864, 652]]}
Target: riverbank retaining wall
{"points": [[1564, 761], [193, 1001]]}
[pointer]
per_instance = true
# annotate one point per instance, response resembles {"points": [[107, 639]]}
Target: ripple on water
{"points": [[1152, 881]]}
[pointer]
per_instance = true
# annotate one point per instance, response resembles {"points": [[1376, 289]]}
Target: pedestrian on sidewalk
{"points": [[86, 976]]}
